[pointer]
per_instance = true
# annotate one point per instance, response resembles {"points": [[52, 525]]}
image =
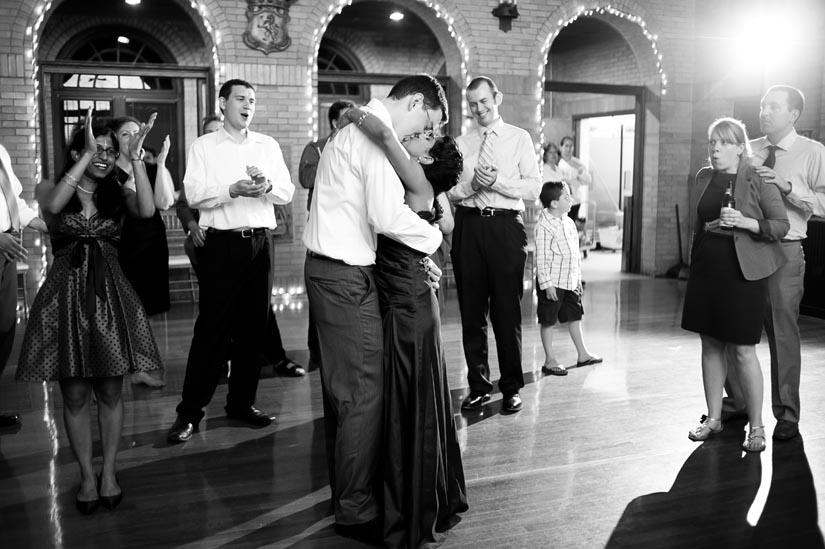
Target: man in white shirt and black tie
{"points": [[490, 243], [234, 176], [14, 215], [796, 166]]}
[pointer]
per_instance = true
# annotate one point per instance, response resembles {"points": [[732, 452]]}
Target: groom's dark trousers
{"points": [[343, 302]]}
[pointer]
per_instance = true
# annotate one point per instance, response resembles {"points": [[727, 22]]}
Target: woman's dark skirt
{"points": [[719, 302]]}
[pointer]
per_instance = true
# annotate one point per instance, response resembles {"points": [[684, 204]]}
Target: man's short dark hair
{"points": [[567, 138], [796, 101], [551, 191], [476, 83], [426, 85], [337, 108], [226, 89]]}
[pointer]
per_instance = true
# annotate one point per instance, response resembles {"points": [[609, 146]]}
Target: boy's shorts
{"points": [[568, 308]]}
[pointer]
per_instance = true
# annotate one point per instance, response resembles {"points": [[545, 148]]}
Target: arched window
{"points": [[333, 57], [115, 46]]}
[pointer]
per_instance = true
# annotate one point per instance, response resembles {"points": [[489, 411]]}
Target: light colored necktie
{"points": [[11, 199], [485, 155]]}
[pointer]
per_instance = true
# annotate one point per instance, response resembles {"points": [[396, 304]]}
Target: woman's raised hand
{"points": [[136, 140], [91, 144], [164, 152]]}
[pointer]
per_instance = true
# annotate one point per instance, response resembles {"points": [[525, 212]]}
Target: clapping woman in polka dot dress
{"points": [[87, 327]]}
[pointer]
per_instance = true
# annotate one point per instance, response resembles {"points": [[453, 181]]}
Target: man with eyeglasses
{"points": [[490, 243], [14, 215], [357, 195]]}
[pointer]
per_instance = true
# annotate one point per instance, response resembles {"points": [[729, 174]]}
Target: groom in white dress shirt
{"points": [[357, 195]]}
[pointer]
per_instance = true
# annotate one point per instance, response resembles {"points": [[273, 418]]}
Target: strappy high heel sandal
{"points": [[703, 431], [756, 440]]}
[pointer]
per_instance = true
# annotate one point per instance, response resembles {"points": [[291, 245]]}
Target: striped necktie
{"points": [[485, 155], [770, 161], [11, 199]]}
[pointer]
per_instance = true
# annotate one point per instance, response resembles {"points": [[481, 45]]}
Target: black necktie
{"points": [[771, 159]]}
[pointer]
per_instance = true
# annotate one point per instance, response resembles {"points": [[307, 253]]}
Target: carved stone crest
{"points": [[266, 26]]}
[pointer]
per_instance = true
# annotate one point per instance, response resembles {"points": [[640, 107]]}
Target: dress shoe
{"points": [[475, 401], [511, 404], [88, 507], [109, 502], [367, 532], [181, 431], [250, 415], [785, 430], [734, 415], [9, 421]]}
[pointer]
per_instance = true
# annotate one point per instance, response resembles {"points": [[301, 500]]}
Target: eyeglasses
{"points": [[435, 129], [109, 151]]}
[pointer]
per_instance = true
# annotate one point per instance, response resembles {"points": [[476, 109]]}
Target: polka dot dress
{"points": [[86, 320]]}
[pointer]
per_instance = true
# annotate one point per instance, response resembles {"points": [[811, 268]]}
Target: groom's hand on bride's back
{"points": [[433, 272]]}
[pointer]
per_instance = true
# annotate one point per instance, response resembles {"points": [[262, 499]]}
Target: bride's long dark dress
{"points": [[423, 476]]}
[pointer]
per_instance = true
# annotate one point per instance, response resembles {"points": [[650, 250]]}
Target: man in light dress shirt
{"points": [[233, 176], [490, 243], [357, 195], [799, 174], [13, 217]]}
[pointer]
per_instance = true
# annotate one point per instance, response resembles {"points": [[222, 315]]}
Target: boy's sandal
{"points": [[554, 370], [756, 440], [290, 368], [590, 361], [704, 431]]}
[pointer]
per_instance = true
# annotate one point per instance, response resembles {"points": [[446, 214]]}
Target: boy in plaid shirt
{"points": [[558, 281]]}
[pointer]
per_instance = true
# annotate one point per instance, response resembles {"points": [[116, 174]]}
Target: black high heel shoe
{"points": [[88, 507], [110, 502]]}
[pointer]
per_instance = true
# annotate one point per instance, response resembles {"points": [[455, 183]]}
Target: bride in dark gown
{"points": [[423, 476]]}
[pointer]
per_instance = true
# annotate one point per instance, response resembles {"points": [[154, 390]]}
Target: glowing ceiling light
{"points": [[396, 16], [123, 39], [133, 2]]}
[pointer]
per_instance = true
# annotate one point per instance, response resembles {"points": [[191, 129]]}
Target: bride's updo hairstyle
{"points": [[445, 170]]}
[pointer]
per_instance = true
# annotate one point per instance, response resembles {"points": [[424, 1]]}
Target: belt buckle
{"points": [[487, 213], [247, 233]]}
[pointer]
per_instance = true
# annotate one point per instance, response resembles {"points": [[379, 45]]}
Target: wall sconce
{"points": [[506, 11]]}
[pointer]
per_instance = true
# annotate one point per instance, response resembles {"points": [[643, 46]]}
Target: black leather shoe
{"points": [[87, 507], [367, 532], [181, 431], [109, 502], [475, 401], [250, 415], [785, 430], [511, 404], [9, 421]]}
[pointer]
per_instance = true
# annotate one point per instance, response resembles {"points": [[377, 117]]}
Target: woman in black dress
{"points": [[144, 251], [734, 250], [87, 327], [424, 488]]}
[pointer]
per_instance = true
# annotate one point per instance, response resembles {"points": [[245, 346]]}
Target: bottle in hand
{"points": [[728, 202]]}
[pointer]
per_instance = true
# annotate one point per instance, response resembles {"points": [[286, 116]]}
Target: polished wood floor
{"points": [[598, 458]]}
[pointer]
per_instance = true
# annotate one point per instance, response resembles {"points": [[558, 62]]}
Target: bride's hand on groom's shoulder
{"points": [[433, 273]]}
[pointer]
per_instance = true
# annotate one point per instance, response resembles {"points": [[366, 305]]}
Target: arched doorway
{"points": [[113, 61], [381, 49], [601, 77]]}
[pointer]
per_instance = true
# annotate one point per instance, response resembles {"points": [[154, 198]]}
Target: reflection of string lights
{"points": [[560, 25], [335, 8]]}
